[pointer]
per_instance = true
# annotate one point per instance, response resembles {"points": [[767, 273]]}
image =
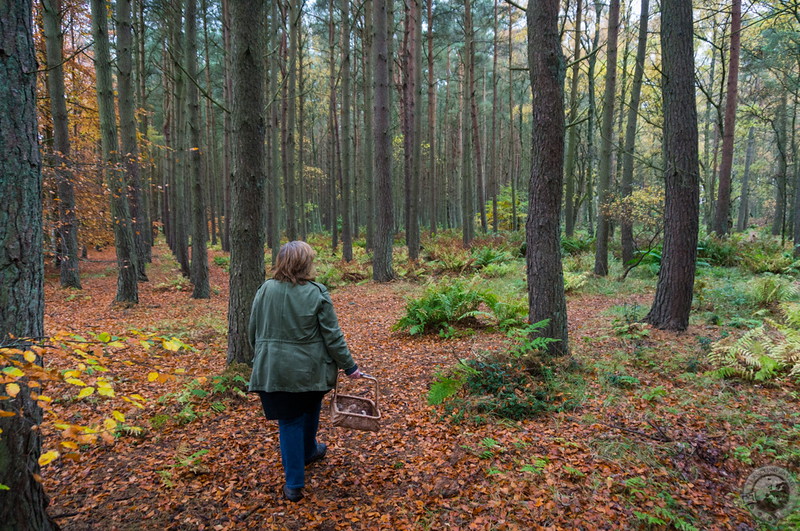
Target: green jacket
{"points": [[296, 337]]}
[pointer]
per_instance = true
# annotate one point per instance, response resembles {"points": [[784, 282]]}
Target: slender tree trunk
{"points": [[347, 141], [180, 190], [147, 212], [606, 130], [433, 191], [630, 130], [127, 290], [199, 273], [67, 220], [333, 135], [272, 217], [744, 201], [546, 298], [723, 207], [410, 109], [572, 150], [295, 17], [23, 505], [248, 179], [382, 168], [212, 180], [127, 127], [301, 180], [227, 125], [673, 298], [468, 190], [780, 125], [369, 139], [590, 124]]}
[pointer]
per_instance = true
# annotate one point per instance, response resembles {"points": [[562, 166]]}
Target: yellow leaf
{"points": [[29, 356], [117, 415], [138, 397], [106, 391], [12, 389], [13, 371], [86, 391], [61, 426], [180, 371], [171, 345], [6, 413], [145, 344], [151, 377], [44, 398], [110, 424], [116, 344], [48, 457], [72, 374], [75, 381], [69, 444]]}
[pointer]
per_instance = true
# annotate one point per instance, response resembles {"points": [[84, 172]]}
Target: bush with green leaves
{"points": [[768, 289], [441, 306], [513, 384], [576, 244], [485, 256], [767, 353]]}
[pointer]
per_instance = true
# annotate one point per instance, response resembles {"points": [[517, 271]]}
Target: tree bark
{"points": [[127, 128], [347, 141], [546, 298], [572, 149], [626, 227], [606, 130], [295, 17], [199, 271], [433, 191], [673, 298], [744, 198], [23, 505], [127, 290], [780, 126], [247, 184], [723, 207], [467, 190], [69, 268], [369, 139], [382, 169]]}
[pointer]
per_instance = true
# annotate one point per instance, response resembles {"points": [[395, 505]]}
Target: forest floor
{"points": [[653, 442]]}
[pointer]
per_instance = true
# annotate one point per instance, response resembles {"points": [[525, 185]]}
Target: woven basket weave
{"points": [[356, 412]]}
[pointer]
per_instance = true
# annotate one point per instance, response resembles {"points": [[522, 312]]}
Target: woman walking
{"points": [[299, 349]]}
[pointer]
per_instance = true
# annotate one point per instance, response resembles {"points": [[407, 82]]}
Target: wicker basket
{"points": [[356, 412]]}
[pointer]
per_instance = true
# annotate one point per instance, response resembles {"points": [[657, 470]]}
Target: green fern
{"points": [[768, 352], [771, 289]]}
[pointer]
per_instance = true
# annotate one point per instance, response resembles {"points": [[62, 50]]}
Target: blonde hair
{"points": [[295, 263]]}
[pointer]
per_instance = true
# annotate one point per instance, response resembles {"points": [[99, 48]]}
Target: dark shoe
{"points": [[293, 495], [322, 449]]}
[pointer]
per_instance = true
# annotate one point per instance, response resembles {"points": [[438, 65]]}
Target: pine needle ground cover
{"points": [[654, 441]]}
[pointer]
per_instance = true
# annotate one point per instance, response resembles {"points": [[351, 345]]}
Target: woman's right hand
{"points": [[356, 375]]}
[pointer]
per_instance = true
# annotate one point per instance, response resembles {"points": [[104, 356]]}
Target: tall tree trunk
{"points": [[180, 190], [227, 128], [433, 191], [673, 298], [606, 131], [295, 17], [546, 298], [212, 180], [127, 290], [128, 130], [369, 139], [333, 165], [468, 190], [147, 212], [780, 125], [411, 139], [301, 180], [23, 505], [347, 141], [723, 208], [744, 198], [199, 273], [630, 130], [248, 179], [67, 220], [572, 149], [590, 124], [710, 131], [382, 168], [272, 217]]}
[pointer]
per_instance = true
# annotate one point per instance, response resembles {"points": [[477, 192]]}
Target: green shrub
{"points": [[575, 244], [223, 261], [575, 281], [485, 256], [768, 352], [770, 289], [719, 251], [441, 306]]}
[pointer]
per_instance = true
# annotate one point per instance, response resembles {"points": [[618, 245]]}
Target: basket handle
{"points": [[364, 376]]}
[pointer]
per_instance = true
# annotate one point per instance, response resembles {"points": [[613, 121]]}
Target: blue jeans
{"points": [[298, 439]]}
